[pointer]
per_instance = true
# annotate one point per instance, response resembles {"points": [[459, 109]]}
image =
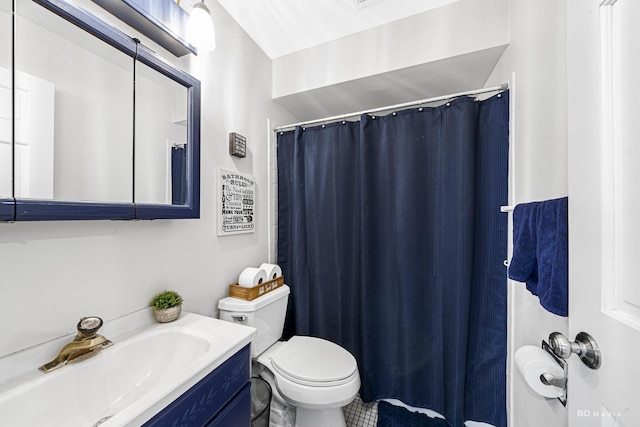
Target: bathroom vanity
{"points": [[190, 372]]}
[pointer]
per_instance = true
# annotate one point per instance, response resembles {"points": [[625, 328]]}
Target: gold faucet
{"points": [[85, 344]]}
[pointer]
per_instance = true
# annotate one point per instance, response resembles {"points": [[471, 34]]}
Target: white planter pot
{"points": [[168, 314]]}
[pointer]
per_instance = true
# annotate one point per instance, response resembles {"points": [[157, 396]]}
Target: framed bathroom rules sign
{"points": [[236, 203]]}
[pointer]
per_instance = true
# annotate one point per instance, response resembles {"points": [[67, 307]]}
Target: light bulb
{"points": [[200, 31]]}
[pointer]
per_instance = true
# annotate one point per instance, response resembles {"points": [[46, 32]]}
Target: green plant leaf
{"points": [[165, 299]]}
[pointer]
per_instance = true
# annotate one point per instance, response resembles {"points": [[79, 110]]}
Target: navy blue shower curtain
{"points": [[178, 175], [391, 238]]}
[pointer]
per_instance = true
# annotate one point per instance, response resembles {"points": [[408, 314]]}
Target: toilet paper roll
{"points": [[272, 270], [532, 362], [251, 277]]}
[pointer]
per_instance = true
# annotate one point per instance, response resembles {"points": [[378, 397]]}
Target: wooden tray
{"points": [[249, 294]]}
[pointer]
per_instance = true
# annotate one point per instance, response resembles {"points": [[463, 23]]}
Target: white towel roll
{"points": [[272, 270], [251, 277]]}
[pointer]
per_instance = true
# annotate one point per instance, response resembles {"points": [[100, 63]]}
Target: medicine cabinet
{"points": [[93, 124]]}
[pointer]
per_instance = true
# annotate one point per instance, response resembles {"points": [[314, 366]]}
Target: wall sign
{"points": [[236, 203]]}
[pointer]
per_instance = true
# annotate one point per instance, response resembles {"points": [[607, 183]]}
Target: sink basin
{"points": [[129, 382]]}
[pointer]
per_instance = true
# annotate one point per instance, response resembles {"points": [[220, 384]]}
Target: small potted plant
{"points": [[166, 305]]}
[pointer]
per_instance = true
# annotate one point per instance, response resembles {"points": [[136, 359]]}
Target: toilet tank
{"points": [[265, 313]]}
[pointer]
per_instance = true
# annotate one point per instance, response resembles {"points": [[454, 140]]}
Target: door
{"points": [[33, 117], [604, 209]]}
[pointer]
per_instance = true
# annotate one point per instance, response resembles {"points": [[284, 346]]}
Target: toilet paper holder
{"points": [[548, 379]]}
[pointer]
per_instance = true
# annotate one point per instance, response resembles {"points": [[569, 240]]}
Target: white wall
{"points": [[535, 66], [53, 273]]}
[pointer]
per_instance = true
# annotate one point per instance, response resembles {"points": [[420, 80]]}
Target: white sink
{"points": [[129, 382]]}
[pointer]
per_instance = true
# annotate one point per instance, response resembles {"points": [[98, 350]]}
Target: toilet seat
{"points": [[314, 362]]}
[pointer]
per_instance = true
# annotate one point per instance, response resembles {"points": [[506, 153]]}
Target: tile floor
{"points": [[360, 414]]}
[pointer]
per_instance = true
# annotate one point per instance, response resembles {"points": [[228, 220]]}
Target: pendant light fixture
{"points": [[200, 31]]}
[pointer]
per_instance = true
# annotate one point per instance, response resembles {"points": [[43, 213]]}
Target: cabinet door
{"points": [[237, 413], [203, 401]]}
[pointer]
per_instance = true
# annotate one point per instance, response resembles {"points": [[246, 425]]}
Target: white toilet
{"points": [[314, 375]]}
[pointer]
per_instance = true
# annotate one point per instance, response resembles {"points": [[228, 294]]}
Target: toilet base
{"points": [[320, 417]]}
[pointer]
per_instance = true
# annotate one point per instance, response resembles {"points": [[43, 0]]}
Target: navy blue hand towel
{"points": [[540, 252]]}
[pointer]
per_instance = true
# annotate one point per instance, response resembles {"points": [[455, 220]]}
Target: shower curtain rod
{"points": [[502, 87]]}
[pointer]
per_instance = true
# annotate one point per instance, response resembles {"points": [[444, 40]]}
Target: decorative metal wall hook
{"points": [[584, 346]]}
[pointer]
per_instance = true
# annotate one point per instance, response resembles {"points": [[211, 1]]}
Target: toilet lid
{"points": [[314, 360]]}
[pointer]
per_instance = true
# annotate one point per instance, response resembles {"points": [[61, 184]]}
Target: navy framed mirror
{"points": [[117, 130]]}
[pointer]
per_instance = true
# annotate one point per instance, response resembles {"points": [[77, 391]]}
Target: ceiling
{"points": [[281, 27], [284, 27]]}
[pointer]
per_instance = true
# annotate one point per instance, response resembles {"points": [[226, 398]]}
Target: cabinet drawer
{"points": [[204, 400], [237, 413]]}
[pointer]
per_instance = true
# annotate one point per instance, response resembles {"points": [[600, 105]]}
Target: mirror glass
{"points": [[6, 167], [74, 112], [160, 138]]}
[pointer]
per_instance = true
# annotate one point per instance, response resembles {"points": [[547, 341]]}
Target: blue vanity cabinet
{"points": [[7, 210], [221, 399], [237, 413]]}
